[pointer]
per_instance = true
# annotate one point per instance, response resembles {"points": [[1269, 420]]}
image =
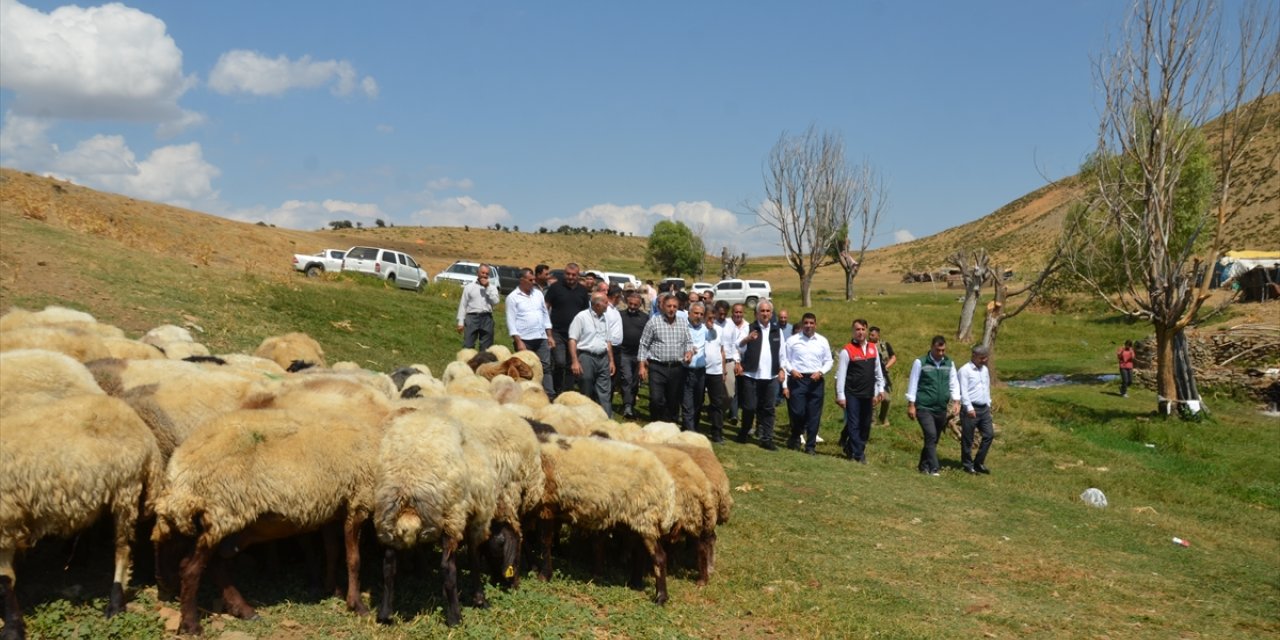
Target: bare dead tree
{"points": [[975, 268], [871, 199], [1175, 69], [1000, 308], [731, 265], [808, 199]]}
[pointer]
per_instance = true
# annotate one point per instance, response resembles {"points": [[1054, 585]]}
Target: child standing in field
{"points": [[1125, 356]]}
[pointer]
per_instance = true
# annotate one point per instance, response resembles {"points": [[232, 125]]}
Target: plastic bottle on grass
{"points": [[1180, 542], [1094, 497]]}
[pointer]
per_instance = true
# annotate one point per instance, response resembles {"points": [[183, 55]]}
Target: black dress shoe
{"points": [[971, 471], [981, 468], [810, 452], [742, 438], [769, 446]]}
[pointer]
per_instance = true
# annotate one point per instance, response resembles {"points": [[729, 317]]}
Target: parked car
{"points": [[463, 271], [396, 267], [673, 284], [623, 280], [699, 287], [315, 264], [748, 292]]}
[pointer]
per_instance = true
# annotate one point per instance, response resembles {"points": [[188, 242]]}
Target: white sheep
{"points": [[599, 484], [165, 334], [293, 351], [431, 487], [695, 505], [258, 474], [81, 345], [64, 463], [60, 318], [35, 376]]}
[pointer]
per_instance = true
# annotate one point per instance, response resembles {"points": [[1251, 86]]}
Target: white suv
{"points": [[460, 273], [395, 267], [748, 292]]}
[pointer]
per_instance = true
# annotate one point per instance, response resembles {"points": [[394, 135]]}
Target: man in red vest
{"points": [[859, 387]]}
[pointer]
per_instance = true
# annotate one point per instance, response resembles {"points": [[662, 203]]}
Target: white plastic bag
{"points": [[1094, 498]]}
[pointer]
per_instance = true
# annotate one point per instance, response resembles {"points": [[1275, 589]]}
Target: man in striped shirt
{"points": [[665, 348]]}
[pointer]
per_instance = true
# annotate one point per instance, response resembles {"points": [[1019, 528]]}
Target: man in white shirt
{"points": [[591, 354], [806, 359], [475, 310], [975, 398], [735, 330], [529, 322]]}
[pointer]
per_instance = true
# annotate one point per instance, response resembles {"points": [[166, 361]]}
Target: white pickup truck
{"points": [[315, 264]]}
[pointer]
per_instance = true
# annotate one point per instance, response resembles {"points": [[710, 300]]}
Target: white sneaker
{"points": [[819, 438]]}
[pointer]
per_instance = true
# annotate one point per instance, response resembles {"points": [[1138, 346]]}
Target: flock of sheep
{"points": [[224, 451]]}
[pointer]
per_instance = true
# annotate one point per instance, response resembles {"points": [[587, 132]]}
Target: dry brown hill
{"points": [[1018, 233]]}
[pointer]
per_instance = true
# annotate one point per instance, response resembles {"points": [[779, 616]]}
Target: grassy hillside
{"points": [[817, 547]]}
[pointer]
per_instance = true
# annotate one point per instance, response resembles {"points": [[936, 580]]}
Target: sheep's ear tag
{"points": [[510, 572]]}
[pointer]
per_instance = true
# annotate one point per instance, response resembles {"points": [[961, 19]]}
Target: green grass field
{"points": [[817, 547]]}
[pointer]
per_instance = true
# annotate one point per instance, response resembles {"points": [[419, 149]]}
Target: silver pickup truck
{"points": [[315, 264]]}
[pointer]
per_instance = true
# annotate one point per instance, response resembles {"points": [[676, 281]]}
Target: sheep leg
{"points": [[232, 599], [388, 585], [547, 531], [704, 543], [598, 541], [659, 569], [352, 536], [449, 568], [168, 557], [125, 515], [639, 562], [479, 567], [192, 567], [14, 627], [332, 544]]}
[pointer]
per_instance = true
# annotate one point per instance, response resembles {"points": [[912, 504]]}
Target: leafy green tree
{"points": [[674, 249]]}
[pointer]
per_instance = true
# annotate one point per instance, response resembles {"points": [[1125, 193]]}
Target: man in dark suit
{"points": [[761, 376]]}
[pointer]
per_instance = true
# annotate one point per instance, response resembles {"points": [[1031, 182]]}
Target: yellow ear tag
{"points": [[510, 572]]}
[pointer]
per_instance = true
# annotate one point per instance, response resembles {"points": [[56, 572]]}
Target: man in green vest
{"points": [[931, 385]]}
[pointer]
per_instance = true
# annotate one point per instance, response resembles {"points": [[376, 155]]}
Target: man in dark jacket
{"points": [[566, 298], [761, 375], [633, 320]]}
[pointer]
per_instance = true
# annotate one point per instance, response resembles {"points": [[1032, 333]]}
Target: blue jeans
{"points": [[758, 402], [805, 407], [981, 422], [857, 427]]}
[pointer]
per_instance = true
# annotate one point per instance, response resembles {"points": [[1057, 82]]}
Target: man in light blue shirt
{"points": [[706, 346]]}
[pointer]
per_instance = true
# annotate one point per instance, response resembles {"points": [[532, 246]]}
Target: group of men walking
{"points": [[590, 342]]}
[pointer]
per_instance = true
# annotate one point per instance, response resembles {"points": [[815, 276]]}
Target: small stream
{"points": [[1059, 379]]}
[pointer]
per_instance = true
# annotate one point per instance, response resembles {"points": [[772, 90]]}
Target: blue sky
{"points": [[545, 113]]}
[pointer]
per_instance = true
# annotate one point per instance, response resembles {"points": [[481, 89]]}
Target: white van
{"points": [[395, 267], [748, 292]]}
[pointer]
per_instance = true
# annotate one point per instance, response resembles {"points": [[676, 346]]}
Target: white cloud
{"points": [[902, 235], [310, 214], [110, 62], [176, 174], [718, 227], [443, 184], [460, 211], [241, 71], [23, 143], [183, 122], [359, 209]]}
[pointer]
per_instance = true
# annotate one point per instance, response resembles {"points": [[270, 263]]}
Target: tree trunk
{"points": [[1166, 384], [806, 283], [971, 293], [848, 284], [1185, 377]]}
